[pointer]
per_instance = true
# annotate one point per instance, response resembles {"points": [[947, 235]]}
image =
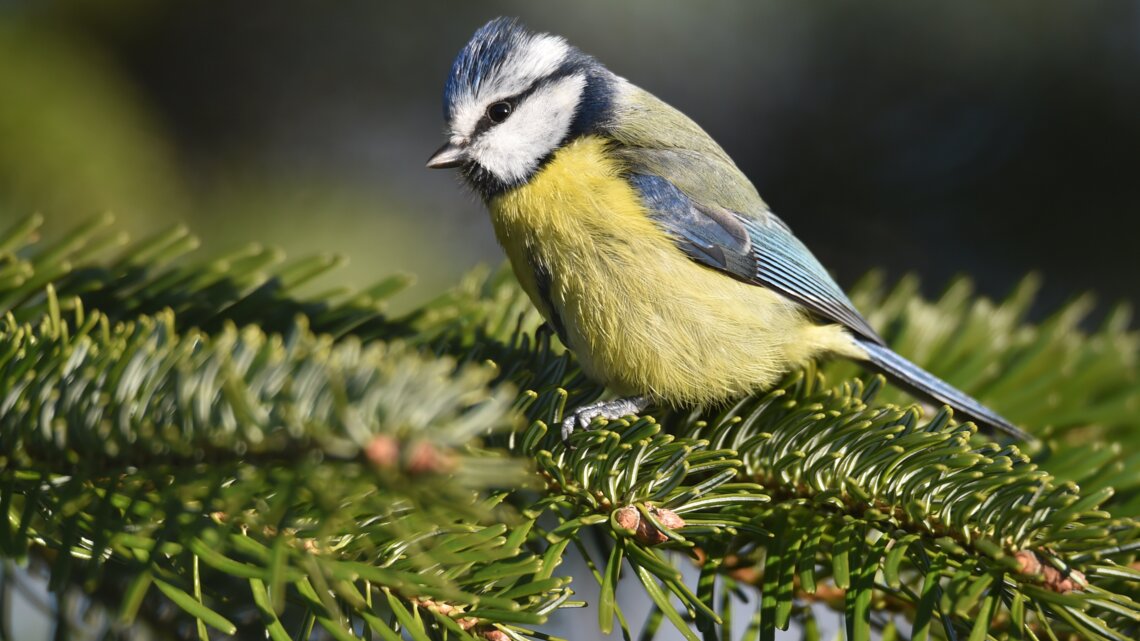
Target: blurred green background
{"points": [[969, 137], [978, 137]]}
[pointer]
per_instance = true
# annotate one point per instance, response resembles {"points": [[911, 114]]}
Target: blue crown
{"points": [[481, 57]]}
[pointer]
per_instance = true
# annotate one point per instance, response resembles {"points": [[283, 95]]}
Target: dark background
{"points": [[990, 139], [977, 137]]}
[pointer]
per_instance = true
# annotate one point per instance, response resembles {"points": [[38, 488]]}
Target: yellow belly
{"points": [[641, 316]]}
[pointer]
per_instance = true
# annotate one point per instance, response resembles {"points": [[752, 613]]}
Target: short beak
{"points": [[449, 155]]}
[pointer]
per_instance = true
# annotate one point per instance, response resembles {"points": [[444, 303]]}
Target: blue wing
{"points": [[760, 250]]}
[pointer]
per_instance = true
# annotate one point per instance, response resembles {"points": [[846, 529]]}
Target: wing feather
{"points": [[761, 250]]}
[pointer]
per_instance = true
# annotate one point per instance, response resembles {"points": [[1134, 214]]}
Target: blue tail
{"points": [[923, 383]]}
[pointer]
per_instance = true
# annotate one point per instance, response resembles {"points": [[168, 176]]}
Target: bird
{"points": [[639, 240]]}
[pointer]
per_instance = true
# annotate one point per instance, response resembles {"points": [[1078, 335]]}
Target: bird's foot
{"points": [[610, 410]]}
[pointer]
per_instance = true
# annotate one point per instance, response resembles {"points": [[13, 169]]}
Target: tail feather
{"points": [[927, 385]]}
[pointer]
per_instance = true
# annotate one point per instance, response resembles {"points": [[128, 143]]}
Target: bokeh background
{"points": [[973, 137]]}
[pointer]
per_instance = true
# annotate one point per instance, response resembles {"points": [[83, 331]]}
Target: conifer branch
{"points": [[196, 434]]}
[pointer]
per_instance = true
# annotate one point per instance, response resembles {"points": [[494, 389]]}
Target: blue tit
{"points": [[640, 241]]}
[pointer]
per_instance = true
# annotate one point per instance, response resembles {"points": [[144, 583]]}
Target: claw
{"points": [[609, 410]]}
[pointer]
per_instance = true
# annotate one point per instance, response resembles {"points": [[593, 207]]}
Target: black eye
{"points": [[499, 111]]}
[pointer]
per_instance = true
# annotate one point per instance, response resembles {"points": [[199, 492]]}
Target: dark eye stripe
{"points": [[594, 108], [486, 123]]}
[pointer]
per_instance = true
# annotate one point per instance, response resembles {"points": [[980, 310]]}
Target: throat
{"points": [[576, 189], [490, 185], [485, 183]]}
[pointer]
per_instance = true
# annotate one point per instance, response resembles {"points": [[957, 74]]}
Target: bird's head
{"points": [[512, 99]]}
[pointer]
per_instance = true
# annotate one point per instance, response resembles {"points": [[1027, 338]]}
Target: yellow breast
{"points": [[640, 315]]}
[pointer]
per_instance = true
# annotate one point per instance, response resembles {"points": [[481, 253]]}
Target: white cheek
{"points": [[467, 115], [512, 150]]}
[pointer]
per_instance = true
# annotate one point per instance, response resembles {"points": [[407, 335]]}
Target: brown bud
{"points": [[1066, 582], [426, 458], [628, 517], [494, 634], [668, 518], [645, 531], [1052, 578], [1029, 562], [383, 451]]}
